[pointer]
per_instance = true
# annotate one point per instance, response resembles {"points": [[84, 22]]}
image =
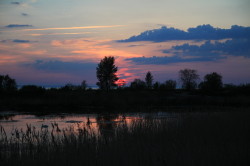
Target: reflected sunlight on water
{"points": [[96, 123]]}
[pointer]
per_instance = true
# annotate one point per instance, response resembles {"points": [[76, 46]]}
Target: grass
{"points": [[201, 139]]}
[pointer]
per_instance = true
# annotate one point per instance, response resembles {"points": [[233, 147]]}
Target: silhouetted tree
{"points": [[212, 82], [7, 83], [149, 80], [32, 90], [189, 78], [162, 86], [138, 84], [69, 87], [106, 73], [170, 84], [156, 85], [84, 85]]}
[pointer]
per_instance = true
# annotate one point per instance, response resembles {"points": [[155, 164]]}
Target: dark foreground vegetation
{"points": [[37, 99], [196, 139]]}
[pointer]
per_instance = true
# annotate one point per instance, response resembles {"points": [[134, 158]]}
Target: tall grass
{"points": [[201, 139]]}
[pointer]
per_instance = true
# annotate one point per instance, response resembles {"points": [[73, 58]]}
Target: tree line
{"points": [[106, 75], [107, 79]]}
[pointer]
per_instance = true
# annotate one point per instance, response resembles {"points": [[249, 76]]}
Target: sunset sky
{"points": [[54, 42]]}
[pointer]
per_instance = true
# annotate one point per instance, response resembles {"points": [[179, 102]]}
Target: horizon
{"points": [[54, 43]]}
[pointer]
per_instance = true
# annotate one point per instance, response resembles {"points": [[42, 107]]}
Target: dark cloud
{"points": [[15, 3], [209, 51], [135, 45], [21, 41], [18, 26], [234, 47], [155, 60], [201, 32], [63, 67], [24, 14], [17, 41]]}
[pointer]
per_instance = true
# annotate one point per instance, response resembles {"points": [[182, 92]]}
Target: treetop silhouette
{"points": [[149, 80], [189, 78], [106, 73]]}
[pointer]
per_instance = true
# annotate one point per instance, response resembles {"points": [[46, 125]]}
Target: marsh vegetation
{"points": [[189, 139]]}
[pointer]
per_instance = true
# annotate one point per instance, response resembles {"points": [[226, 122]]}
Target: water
{"points": [[12, 121]]}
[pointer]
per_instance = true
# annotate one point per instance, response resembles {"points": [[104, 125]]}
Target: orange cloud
{"points": [[95, 50], [35, 52], [40, 34], [99, 48], [70, 28], [24, 45], [20, 52], [6, 59]]}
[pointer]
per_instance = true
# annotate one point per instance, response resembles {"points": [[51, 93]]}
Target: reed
{"points": [[192, 139]]}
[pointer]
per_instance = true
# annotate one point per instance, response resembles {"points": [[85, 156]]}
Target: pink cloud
{"points": [[24, 45], [70, 28]]}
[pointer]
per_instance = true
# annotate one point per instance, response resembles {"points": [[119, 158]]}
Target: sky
{"points": [[52, 43]]}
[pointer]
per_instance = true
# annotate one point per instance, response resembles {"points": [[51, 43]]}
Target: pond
{"points": [[13, 121]]}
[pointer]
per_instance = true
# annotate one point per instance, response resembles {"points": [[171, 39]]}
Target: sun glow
{"points": [[121, 82]]}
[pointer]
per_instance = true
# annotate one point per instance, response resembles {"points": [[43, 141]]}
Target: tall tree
{"points": [[156, 85], [106, 73], [170, 84], [138, 84], [189, 78], [212, 82], [149, 80], [7, 83], [84, 85]]}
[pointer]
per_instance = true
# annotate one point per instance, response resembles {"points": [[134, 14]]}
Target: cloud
{"points": [[201, 32], [24, 14], [156, 60], [17, 41], [70, 28], [15, 3], [46, 34], [209, 51], [18, 26], [135, 45], [21, 41], [234, 47], [63, 67]]}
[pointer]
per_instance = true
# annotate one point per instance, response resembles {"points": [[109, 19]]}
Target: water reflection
{"points": [[7, 117], [106, 123], [100, 124]]}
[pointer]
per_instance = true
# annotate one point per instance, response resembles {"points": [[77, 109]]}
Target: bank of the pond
{"points": [[119, 101]]}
